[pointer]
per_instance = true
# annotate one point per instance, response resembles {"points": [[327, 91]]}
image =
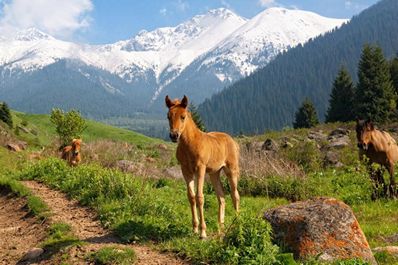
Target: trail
{"points": [[19, 231], [87, 228]]}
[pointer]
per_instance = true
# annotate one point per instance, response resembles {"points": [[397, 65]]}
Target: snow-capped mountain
{"points": [[198, 57]]}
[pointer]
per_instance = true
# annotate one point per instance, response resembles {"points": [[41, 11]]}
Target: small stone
{"points": [[33, 254]]}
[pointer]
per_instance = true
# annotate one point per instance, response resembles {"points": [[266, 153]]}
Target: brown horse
{"points": [[380, 148], [71, 153], [200, 153]]}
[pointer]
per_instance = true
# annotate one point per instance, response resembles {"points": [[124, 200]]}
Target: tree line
{"points": [[373, 97]]}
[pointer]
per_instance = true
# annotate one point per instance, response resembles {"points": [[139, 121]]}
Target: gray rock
{"points": [[32, 254], [174, 172], [339, 142], [339, 132], [317, 136]]}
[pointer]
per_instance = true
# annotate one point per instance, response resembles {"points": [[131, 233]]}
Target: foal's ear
{"points": [[369, 125], [169, 103], [184, 102]]}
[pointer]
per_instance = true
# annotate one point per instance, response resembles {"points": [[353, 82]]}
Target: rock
{"points": [[332, 159], [317, 136], [32, 254], [321, 227], [13, 147], [126, 165], [254, 146], [391, 250], [270, 145], [174, 172], [339, 142], [163, 147], [339, 132], [287, 144], [24, 129]]}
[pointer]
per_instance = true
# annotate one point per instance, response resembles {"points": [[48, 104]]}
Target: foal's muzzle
{"points": [[362, 146], [174, 136]]}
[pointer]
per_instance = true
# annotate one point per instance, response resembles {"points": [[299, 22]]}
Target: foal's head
{"points": [[76, 143], [178, 111], [364, 131]]}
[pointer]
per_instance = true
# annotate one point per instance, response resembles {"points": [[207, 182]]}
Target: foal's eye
{"points": [[182, 117]]}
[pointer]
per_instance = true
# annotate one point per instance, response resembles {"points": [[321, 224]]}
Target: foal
{"points": [[380, 148], [71, 153], [200, 153]]}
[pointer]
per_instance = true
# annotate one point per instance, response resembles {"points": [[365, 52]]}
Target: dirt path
{"points": [[19, 231], [87, 228]]}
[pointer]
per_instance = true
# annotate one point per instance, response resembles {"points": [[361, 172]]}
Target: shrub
{"points": [[68, 125]]}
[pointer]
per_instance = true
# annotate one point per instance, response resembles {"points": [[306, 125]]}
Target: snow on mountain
{"points": [[220, 42], [272, 31]]}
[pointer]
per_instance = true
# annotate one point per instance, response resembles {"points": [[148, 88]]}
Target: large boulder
{"points": [[323, 227]]}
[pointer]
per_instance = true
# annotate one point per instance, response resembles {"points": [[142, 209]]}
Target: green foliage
{"points": [[384, 258], [306, 154], [196, 117], [60, 236], [113, 256], [5, 114], [342, 98], [68, 125], [248, 241], [375, 97], [306, 116], [35, 204], [394, 73]]}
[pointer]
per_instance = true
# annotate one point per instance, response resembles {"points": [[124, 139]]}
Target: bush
{"points": [[113, 256], [68, 125]]}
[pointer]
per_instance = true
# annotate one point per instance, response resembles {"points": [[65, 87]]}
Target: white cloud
{"points": [[352, 5], [57, 17], [182, 5], [267, 3], [163, 11], [225, 4]]}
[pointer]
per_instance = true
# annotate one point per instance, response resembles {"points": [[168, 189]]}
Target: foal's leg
{"points": [[191, 197], [216, 181], [233, 178], [200, 199]]}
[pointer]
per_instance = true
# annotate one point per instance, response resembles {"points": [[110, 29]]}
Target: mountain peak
{"points": [[221, 12], [31, 34]]}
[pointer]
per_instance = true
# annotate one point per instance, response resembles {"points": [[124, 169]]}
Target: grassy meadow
{"points": [[144, 206]]}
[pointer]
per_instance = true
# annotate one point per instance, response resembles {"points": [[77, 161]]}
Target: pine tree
{"points": [[196, 117], [394, 73], [5, 114], [375, 97], [341, 98], [306, 116]]}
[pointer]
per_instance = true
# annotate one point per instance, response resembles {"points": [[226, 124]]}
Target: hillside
{"points": [[269, 98], [44, 131]]}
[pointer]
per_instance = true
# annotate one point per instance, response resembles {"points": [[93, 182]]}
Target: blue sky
{"points": [[107, 21]]}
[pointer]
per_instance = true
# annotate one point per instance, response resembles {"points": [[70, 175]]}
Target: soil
{"points": [[19, 230], [23, 232]]}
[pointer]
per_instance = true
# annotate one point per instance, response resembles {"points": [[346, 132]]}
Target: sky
{"points": [[108, 21]]}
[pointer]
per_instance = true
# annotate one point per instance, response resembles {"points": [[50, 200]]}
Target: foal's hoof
{"points": [[203, 236]]}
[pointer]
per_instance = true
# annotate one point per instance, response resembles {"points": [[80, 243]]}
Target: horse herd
{"points": [[199, 153]]}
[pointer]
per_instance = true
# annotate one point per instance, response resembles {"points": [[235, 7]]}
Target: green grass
{"points": [[140, 209], [113, 256], [35, 204], [95, 130], [60, 237]]}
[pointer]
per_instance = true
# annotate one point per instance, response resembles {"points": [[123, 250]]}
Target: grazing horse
{"points": [[380, 148], [200, 153], [71, 153]]}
